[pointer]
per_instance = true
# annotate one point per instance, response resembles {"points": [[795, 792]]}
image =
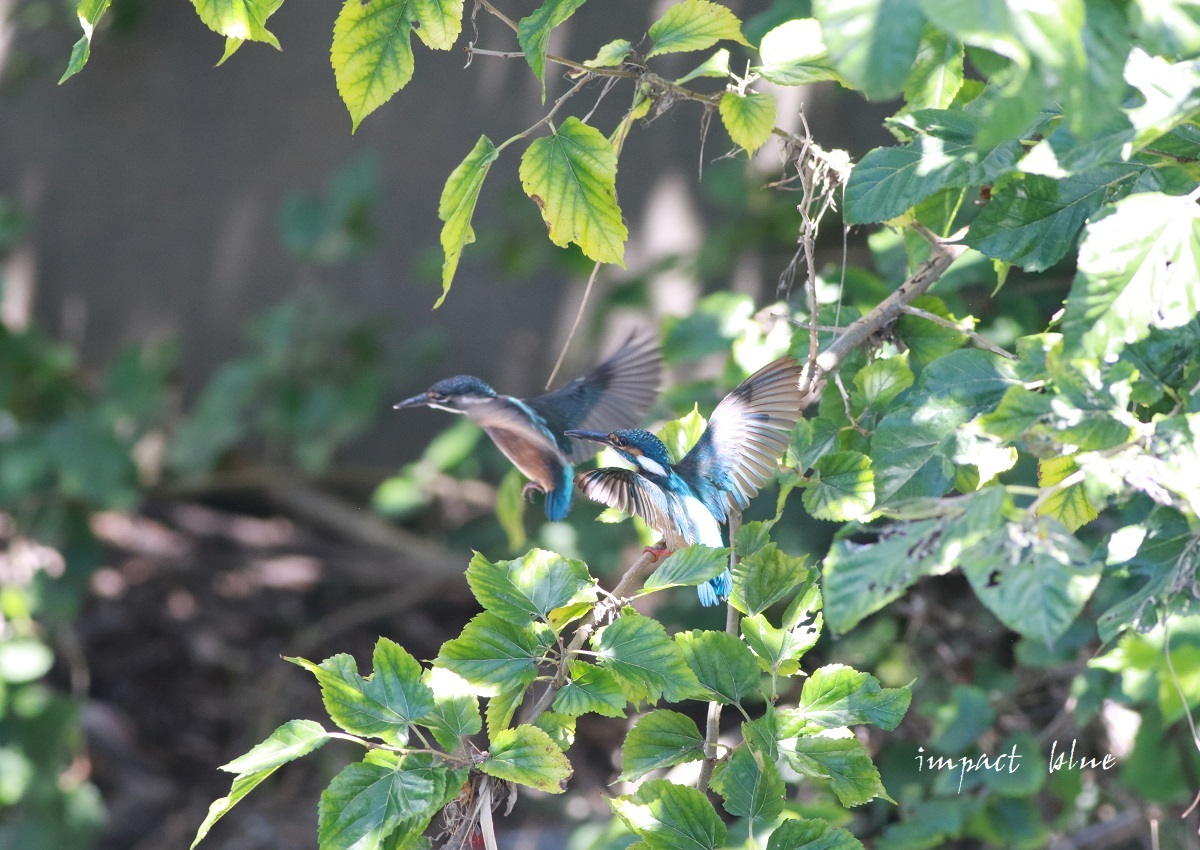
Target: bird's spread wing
{"points": [[747, 433], [627, 491], [616, 394]]}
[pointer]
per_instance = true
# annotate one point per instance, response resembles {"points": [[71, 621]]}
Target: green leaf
{"points": [[679, 435], [1167, 27], [660, 739], [843, 762], [560, 728], [1032, 222], [610, 55], [1070, 506], [793, 54], [492, 653], [872, 43], [749, 119], [802, 834], [837, 695], [289, 742], [752, 536], [716, 66], [368, 801], [648, 665], [667, 816], [383, 705], [927, 340], [780, 650], [455, 209], [530, 586], [751, 786], [860, 578], [455, 711], [1018, 412], [1139, 268], [89, 13], [242, 785], [572, 177], [533, 33], [592, 689], [694, 25], [843, 487], [879, 382], [687, 567], [372, 53], [937, 73], [1035, 577], [766, 577], [244, 19], [527, 755], [503, 706], [722, 663]]}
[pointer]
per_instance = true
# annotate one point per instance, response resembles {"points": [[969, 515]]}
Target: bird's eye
{"points": [[618, 441], [436, 396]]}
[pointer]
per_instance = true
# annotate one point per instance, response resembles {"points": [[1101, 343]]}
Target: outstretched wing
{"points": [[616, 394], [681, 521], [746, 435]]}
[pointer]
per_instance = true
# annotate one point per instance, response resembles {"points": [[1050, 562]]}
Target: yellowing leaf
{"points": [[243, 19], [749, 119], [572, 177], [794, 54], [533, 33], [610, 55], [1069, 506], [455, 209], [694, 25]]}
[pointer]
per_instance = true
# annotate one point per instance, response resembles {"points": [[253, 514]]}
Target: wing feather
{"points": [[630, 493]]}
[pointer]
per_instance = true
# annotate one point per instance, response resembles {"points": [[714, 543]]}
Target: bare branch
{"points": [[980, 341]]}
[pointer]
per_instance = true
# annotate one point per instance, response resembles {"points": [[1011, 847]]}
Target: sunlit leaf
{"points": [[694, 25], [527, 755], [660, 739], [455, 209]]}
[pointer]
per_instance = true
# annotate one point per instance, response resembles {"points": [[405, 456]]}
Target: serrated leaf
{"points": [[455, 711], [843, 762], [1070, 505], [647, 664], [1035, 577], [879, 382], [687, 567], [571, 175], [89, 13], [611, 54], [560, 728], [533, 33], [1139, 268], [289, 742], [492, 653], [527, 755], [937, 73], [667, 816], [766, 577], [722, 663], [1033, 222], [242, 785], [694, 25], [530, 586], [927, 340], [368, 801], [455, 209], [679, 435], [716, 65], [751, 786], [843, 487], [872, 43], [660, 739], [383, 705], [244, 19], [590, 689], [503, 706], [1018, 412], [779, 650], [802, 834], [752, 536], [372, 54], [837, 695], [794, 54], [749, 119]]}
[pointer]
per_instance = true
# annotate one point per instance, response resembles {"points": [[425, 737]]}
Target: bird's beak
{"points": [[421, 400], [594, 436]]}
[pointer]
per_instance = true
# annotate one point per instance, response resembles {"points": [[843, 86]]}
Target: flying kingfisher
{"points": [[687, 502], [530, 432]]}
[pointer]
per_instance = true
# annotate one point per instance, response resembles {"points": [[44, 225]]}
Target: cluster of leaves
{"points": [[424, 730]]}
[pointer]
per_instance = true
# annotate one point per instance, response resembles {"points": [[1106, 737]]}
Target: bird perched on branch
{"points": [[530, 432], [689, 501]]}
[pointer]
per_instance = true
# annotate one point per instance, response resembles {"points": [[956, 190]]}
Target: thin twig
{"points": [[562, 355], [712, 728], [549, 116], [497, 13], [500, 54], [980, 341]]}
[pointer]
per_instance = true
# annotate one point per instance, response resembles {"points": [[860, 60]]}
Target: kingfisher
{"points": [[737, 454], [531, 432]]}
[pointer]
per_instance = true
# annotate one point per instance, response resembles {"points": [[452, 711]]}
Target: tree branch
{"points": [[712, 729], [980, 341]]}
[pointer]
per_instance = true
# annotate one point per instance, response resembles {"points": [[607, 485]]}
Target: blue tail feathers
{"points": [[715, 590], [558, 500]]}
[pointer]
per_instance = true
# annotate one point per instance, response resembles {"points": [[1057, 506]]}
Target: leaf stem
{"points": [[548, 117], [404, 751], [980, 341], [712, 728]]}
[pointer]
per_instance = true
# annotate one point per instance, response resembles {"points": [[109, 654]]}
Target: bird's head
{"points": [[455, 394], [641, 448]]}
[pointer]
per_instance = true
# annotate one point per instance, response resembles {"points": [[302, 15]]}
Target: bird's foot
{"points": [[529, 489], [656, 552]]}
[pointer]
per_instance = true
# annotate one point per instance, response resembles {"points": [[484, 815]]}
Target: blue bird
{"points": [[530, 432], [689, 501]]}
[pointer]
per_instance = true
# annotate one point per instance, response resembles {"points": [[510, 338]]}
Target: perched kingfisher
{"points": [[531, 432], [689, 501]]}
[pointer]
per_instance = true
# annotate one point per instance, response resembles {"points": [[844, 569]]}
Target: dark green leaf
{"points": [[937, 72], [530, 586], [722, 663], [590, 689], [648, 665], [766, 577], [801, 834], [872, 43], [368, 801], [660, 739], [879, 382], [751, 786], [843, 762]]}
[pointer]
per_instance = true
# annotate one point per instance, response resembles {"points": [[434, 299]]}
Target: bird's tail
{"points": [[715, 590], [558, 500]]}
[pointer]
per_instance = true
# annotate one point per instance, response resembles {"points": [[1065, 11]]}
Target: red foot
{"points": [[529, 489], [656, 552]]}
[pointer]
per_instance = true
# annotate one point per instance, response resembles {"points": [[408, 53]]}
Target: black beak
{"points": [[416, 401], [594, 436]]}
